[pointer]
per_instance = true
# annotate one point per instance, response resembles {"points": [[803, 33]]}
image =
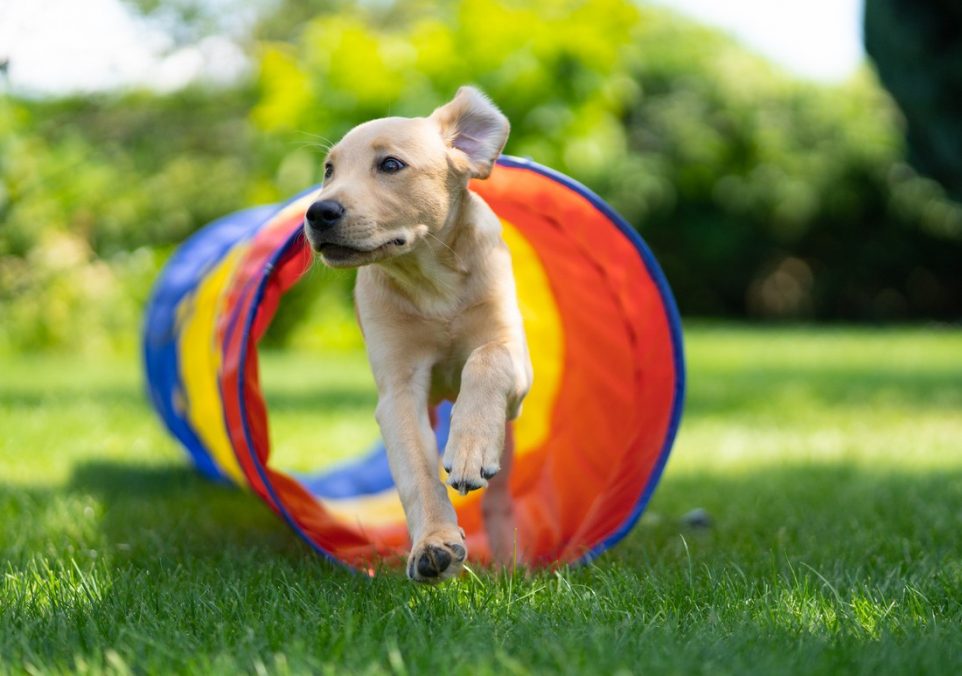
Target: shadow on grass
{"points": [[147, 512], [126, 482]]}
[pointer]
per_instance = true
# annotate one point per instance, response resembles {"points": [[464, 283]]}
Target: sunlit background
{"points": [[751, 143], [99, 44]]}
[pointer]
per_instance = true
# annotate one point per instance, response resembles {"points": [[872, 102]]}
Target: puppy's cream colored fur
{"points": [[436, 301]]}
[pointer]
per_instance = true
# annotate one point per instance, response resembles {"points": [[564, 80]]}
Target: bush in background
{"points": [[761, 195]]}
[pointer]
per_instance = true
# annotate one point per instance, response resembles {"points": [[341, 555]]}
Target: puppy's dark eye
{"points": [[391, 165], [328, 170]]}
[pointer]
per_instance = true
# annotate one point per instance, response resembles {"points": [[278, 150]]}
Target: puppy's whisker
{"points": [[321, 147], [317, 141], [442, 243], [319, 137], [308, 143]]}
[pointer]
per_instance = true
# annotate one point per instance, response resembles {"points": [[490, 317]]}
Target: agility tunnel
{"points": [[596, 428]]}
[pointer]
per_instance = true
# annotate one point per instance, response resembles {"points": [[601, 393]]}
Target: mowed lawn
{"points": [[829, 460]]}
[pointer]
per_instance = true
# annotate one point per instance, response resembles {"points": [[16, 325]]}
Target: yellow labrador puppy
{"points": [[436, 302]]}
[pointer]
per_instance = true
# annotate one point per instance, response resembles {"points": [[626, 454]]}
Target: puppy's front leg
{"points": [[438, 550], [490, 389]]}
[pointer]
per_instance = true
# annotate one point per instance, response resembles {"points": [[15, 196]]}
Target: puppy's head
{"points": [[390, 182]]}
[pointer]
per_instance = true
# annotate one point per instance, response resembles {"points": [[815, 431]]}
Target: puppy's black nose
{"points": [[324, 214]]}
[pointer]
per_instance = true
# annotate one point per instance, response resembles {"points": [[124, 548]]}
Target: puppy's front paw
{"points": [[436, 558], [470, 463]]}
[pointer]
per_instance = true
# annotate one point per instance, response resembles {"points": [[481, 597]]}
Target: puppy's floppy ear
{"points": [[474, 128]]}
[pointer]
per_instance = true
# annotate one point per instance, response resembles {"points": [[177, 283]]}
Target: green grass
{"points": [[829, 459]]}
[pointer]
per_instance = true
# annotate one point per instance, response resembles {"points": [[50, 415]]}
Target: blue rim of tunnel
{"points": [[671, 313]]}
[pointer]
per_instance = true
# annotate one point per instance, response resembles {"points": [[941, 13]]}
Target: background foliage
{"points": [[762, 195], [917, 49]]}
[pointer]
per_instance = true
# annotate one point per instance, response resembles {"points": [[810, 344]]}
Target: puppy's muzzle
{"points": [[324, 215]]}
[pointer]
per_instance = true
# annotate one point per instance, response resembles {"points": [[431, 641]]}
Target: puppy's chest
{"points": [[455, 341], [446, 380]]}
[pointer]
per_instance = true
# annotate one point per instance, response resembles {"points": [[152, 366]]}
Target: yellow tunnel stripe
{"points": [[200, 356], [375, 510], [543, 328], [200, 361]]}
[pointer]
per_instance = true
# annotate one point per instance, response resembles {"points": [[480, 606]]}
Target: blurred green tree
{"points": [[556, 68], [771, 197], [761, 195], [94, 191], [917, 49]]}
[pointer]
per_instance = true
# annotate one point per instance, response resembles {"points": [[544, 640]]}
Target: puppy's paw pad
{"points": [[459, 552], [465, 486], [435, 563], [489, 472]]}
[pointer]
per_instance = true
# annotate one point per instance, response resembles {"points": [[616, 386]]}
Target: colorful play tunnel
{"points": [[596, 428]]}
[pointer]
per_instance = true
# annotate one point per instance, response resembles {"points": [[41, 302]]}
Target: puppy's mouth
{"points": [[343, 255]]}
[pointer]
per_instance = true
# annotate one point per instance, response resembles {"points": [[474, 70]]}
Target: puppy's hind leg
{"points": [[497, 510]]}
